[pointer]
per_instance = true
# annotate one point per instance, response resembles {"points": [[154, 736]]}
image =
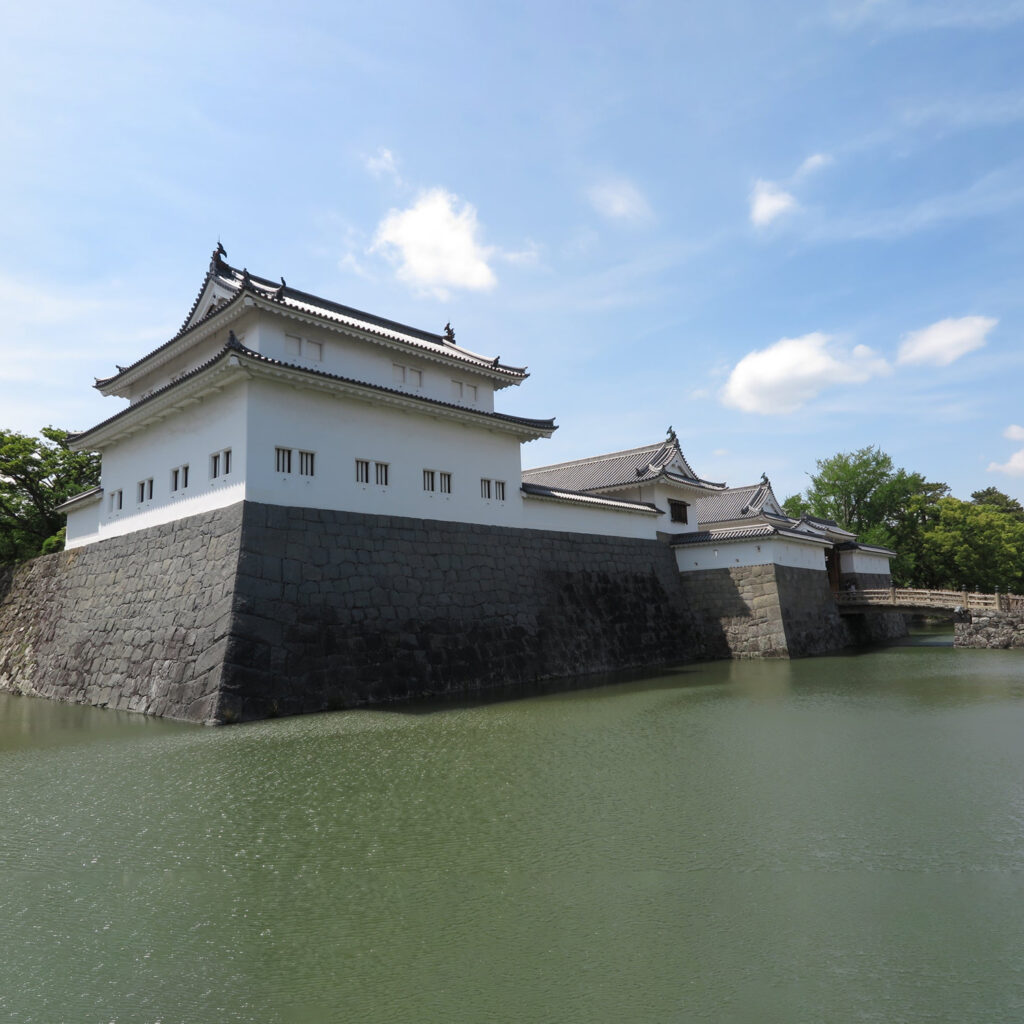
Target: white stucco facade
{"points": [[728, 554], [271, 395], [869, 562], [295, 404]]}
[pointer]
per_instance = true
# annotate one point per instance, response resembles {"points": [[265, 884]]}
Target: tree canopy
{"points": [[940, 541], [36, 475]]}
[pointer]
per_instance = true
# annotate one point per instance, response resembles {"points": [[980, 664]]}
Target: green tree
{"points": [[36, 475], [973, 545], [862, 491], [995, 498]]}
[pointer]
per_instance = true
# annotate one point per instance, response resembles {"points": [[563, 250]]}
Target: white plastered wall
{"points": [[574, 517], [761, 551], [340, 430], [366, 360], [188, 437], [864, 562]]}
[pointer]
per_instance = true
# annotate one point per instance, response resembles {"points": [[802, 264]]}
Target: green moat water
{"points": [[836, 839]]}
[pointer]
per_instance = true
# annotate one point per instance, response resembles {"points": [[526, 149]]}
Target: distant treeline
{"points": [[941, 541]]}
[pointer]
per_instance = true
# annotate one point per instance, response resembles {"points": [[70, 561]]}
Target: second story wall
{"points": [[293, 341], [317, 450]]}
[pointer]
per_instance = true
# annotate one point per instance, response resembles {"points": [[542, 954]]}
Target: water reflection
{"points": [[827, 839]]}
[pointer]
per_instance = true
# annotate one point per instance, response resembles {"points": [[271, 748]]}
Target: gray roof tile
{"points": [[619, 469]]}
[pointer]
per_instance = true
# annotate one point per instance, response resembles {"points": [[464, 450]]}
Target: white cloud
{"points": [[946, 341], [1014, 466], [769, 201], [785, 376], [813, 163], [435, 244], [1014, 433], [383, 163], [619, 199]]}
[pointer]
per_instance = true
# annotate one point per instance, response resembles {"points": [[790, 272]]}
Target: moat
{"points": [[771, 842]]}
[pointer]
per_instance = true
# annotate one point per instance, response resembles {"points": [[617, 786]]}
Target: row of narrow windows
{"points": [[434, 480], [410, 377], [310, 351], [220, 466]]}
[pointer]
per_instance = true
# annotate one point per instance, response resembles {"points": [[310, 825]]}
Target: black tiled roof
{"points": [[736, 503], [242, 282], [233, 345]]}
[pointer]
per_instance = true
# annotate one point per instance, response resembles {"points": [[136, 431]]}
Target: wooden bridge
{"points": [[899, 599]]}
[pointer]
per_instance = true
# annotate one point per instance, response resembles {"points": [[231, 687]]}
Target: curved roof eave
{"points": [[220, 316], [530, 428]]}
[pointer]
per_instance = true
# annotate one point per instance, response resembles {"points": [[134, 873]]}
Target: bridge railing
{"points": [[906, 597]]}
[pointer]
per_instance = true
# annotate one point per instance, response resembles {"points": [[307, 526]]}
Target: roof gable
{"points": [[732, 503], [664, 460], [225, 285]]}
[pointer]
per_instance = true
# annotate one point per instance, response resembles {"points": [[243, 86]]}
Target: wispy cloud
{"points": [[785, 376], [383, 164], [770, 200], [1014, 433], [435, 245], [946, 341], [957, 112], [990, 194], [918, 15], [815, 162], [618, 199]]}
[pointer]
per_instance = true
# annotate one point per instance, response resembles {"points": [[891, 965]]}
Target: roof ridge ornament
{"points": [[672, 436], [449, 333], [217, 258]]}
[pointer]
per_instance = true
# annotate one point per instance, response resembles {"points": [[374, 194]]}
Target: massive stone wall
{"points": [[350, 608], [809, 613], [738, 610], [256, 610], [997, 630], [138, 622], [766, 611]]}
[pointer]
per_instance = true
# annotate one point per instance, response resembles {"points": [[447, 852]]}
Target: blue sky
{"points": [[786, 229]]}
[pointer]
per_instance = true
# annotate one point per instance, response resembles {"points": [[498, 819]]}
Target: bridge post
{"points": [[965, 602]]}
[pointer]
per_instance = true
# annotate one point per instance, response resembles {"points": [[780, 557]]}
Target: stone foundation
{"points": [[138, 623], [350, 609], [998, 630], [765, 611], [255, 610]]}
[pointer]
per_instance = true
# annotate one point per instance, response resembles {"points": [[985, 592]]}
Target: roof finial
{"points": [[449, 333], [217, 258], [764, 478], [672, 435]]}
